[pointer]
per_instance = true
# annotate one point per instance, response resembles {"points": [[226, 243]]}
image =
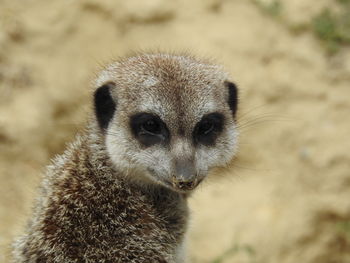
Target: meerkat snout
{"points": [[185, 176], [169, 119]]}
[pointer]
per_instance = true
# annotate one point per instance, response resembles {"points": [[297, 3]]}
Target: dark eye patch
{"points": [[149, 129], [208, 128]]}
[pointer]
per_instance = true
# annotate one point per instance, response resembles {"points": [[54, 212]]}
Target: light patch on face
{"points": [[225, 148], [118, 149], [141, 164], [106, 75], [150, 81], [153, 105], [158, 163], [182, 149], [206, 107]]}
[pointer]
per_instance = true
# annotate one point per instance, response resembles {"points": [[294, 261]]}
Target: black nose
{"points": [[183, 185]]}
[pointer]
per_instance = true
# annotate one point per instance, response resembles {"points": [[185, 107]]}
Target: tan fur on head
{"points": [[180, 90]]}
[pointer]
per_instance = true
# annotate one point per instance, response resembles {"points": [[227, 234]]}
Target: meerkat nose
{"points": [[184, 170], [186, 185], [185, 175]]}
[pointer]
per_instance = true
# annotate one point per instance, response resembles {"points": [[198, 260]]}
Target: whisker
{"points": [[240, 116], [261, 119], [266, 115]]}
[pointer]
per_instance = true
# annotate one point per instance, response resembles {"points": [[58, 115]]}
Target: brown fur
{"points": [[91, 208], [86, 211]]}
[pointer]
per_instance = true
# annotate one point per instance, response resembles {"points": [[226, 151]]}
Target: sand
{"points": [[285, 199]]}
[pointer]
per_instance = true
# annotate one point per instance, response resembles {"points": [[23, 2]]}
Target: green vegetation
{"points": [[272, 8], [344, 1], [236, 249], [344, 228], [331, 26]]}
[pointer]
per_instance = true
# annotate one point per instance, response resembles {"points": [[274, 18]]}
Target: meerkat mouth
{"points": [[174, 184], [185, 185]]}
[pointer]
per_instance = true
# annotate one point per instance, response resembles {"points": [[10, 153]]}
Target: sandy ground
{"points": [[286, 198]]}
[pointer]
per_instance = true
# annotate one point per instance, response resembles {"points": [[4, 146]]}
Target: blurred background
{"points": [[285, 199]]}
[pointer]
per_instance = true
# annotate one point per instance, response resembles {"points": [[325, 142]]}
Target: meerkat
{"points": [[119, 192]]}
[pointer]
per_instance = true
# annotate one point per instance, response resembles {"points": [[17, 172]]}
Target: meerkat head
{"points": [[167, 119]]}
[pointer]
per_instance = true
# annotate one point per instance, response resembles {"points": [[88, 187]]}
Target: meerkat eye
{"points": [[151, 126], [149, 129], [208, 128]]}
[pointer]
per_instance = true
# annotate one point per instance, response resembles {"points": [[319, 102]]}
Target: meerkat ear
{"points": [[232, 96], [104, 105]]}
